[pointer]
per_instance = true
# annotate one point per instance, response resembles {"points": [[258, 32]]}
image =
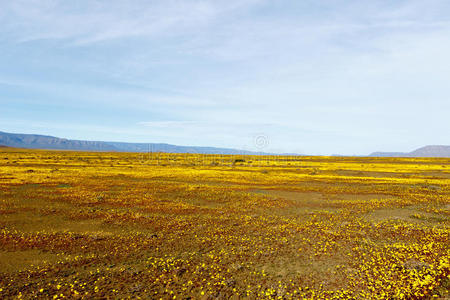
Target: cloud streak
{"points": [[109, 20]]}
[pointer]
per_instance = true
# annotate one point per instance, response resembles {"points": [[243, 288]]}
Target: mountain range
{"points": [[427, 151], [35, 141]]}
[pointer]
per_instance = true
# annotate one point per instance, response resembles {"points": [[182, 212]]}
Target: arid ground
{"points": [[118, 225]]}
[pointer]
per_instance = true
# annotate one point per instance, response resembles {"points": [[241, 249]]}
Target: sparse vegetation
{"points": [[112, 225]]}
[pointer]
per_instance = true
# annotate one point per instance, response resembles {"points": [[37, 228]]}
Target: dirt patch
{"points": [[22, 260], [410, 214], [306, 198], [315, 199], [32, 221]]}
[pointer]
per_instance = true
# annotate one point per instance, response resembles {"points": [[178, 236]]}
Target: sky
{"points": [[308, 76]]}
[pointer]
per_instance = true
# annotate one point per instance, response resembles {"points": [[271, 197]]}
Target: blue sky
{"points": [[315, 77]]}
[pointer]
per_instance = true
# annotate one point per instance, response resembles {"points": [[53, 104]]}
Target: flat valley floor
{"points": [[84, 225]]}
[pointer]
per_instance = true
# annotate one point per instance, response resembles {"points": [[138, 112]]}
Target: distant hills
{"points": [[427, 151], [35, 141]]}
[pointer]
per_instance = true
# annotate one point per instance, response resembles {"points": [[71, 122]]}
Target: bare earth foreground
{"points": [[117, 225]]}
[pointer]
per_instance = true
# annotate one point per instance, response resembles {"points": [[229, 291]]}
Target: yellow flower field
{"points": [[83, 225]]}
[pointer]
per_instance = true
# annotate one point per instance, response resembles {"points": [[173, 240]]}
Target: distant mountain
{"points": [[427, 151], [34, 141], [432, 151], [389, 154]]}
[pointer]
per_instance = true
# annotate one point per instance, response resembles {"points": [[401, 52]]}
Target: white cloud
{"points": [[90, 22]]}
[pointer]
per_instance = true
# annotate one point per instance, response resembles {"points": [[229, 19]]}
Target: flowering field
{"points": [[116, 225]]}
